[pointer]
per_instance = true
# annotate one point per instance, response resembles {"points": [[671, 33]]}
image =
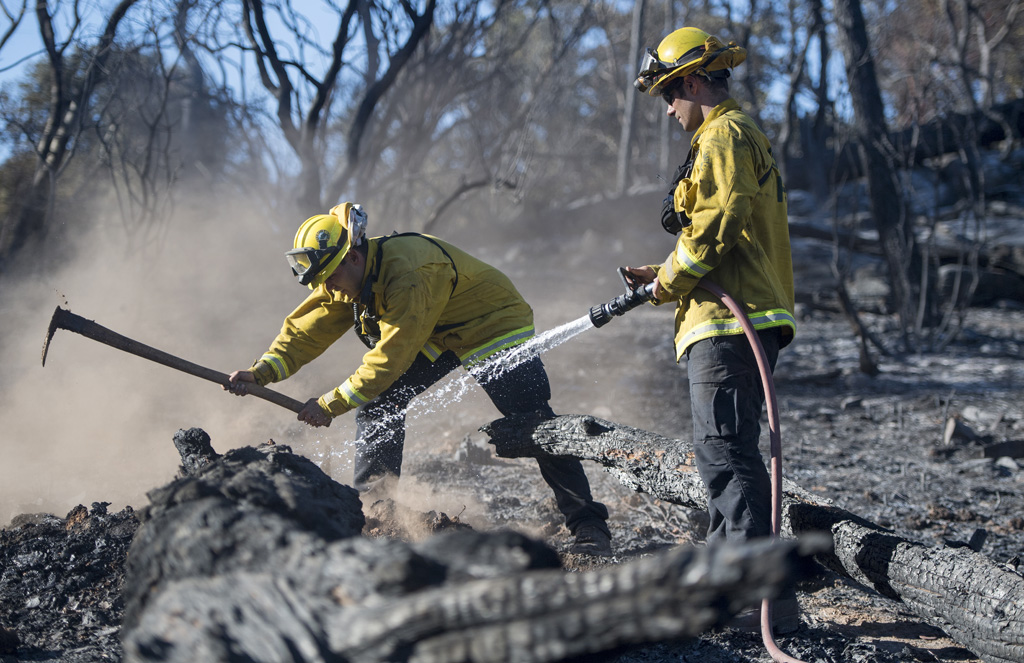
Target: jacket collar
{"points": [[721, 109]]}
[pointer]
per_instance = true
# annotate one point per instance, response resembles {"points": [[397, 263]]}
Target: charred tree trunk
{"points": [[971, 598], [878, 160], [257, 555]]}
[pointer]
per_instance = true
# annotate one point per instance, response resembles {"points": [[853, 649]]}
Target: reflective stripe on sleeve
{"points": [[276, 362], [354, 398], [507, 341], [691, 264]]}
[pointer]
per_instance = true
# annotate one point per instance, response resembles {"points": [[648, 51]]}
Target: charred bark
{"points": [[974, 600], [257, 555]]}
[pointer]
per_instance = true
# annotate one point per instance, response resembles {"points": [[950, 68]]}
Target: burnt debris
{"points": [[61, 582], [977, 601], [260, 556]]}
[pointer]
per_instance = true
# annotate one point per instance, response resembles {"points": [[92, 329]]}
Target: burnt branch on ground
{"points": [[257, 554], [976, 601]]}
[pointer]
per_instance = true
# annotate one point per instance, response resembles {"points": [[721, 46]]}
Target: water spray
{"points": [[634, 296]]}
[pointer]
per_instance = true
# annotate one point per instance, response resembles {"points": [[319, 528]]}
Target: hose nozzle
{"points": [[629, 300]]}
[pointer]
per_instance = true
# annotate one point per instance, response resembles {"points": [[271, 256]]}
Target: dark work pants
{"points": [[726, 399], [380, 425]]}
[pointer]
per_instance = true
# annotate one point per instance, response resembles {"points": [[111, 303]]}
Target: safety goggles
{"points": [[307, 262], [651, 67]]}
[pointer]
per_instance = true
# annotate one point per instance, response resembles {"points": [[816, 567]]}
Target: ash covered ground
{"points": [[873, 445]]}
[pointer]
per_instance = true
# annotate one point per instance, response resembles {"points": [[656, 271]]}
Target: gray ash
{"points": [[60, 584]]}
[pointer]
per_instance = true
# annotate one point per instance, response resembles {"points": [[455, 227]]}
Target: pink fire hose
{"points": [[635, 296], [775, 440]]}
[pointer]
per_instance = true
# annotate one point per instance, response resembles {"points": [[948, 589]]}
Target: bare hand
{"points": [[314, 415], [238, 381], [643, 276]]}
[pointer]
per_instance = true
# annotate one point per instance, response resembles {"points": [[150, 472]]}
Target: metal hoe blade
{"points": [[54, 324], [64, 319]]}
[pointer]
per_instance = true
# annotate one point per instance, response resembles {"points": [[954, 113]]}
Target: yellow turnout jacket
{"points": [[738, 234], [427, 299]]}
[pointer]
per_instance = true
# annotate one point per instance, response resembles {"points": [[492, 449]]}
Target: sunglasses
{"points": [[671, 93]]}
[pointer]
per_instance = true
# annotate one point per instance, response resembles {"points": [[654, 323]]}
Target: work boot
{"points": [[381, 487], [785, 617], [592, 540]]}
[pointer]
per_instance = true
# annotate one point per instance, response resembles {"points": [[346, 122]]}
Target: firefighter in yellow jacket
{"points": [[423, 308], [727, 206]]}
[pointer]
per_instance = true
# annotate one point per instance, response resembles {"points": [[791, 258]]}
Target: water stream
{"points": [[453, 387]]}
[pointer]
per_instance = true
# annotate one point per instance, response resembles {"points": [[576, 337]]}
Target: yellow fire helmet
{"points": [[323, 240], [683, 52]]}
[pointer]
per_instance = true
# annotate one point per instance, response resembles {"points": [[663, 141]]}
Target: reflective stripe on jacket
{"points": [[418, 312], [738, 234]]}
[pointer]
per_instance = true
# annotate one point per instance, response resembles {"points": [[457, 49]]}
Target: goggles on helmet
{"points": [[652, 66], [307, 262]]}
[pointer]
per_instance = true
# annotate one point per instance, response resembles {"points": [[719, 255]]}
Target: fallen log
{"points": [[975, 601], [230, 564]]}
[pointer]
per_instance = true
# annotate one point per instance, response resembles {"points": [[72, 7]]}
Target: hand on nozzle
{"points": [[641, 276]]}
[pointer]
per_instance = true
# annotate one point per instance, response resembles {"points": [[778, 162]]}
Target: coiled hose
{"points": [[775, 440]]}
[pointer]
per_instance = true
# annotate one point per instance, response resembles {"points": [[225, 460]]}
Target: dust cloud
{"points": [[96, 424]]}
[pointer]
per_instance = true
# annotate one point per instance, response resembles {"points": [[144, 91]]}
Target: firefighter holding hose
{"points": [[727, 206], [423, 308]]}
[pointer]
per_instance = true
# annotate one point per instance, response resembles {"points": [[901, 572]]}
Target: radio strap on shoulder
{"points": [[367, 322]]}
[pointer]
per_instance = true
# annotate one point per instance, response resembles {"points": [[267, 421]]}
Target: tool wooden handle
{"points": [[75, 323]]}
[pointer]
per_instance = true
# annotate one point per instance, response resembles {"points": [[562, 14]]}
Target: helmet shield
{"points": [[653, 67], [650, 66], [320, 244], [307, 263], [685, 51]]}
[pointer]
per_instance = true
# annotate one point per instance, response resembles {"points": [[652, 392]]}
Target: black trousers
{"points": [[380, 425], [726, 399]]}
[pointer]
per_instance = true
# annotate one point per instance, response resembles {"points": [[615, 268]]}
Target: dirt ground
{"points": [[873, 445]]}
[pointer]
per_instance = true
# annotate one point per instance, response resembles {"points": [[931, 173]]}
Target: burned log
{"points": [[257, 555], [967, 595]]}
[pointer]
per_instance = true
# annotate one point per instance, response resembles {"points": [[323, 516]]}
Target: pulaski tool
{"points": [[634, 296], [64, 319]]}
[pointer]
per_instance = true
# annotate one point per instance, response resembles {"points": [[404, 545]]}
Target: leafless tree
{"points": [[158, 135], [70, 96], [802, 151], [478, 137], [12, 19], [381, 36], [443, 137], [627, 116], [906, 270]]}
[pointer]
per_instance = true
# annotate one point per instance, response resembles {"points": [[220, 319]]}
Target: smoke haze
{"points": [[96, 424]]}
